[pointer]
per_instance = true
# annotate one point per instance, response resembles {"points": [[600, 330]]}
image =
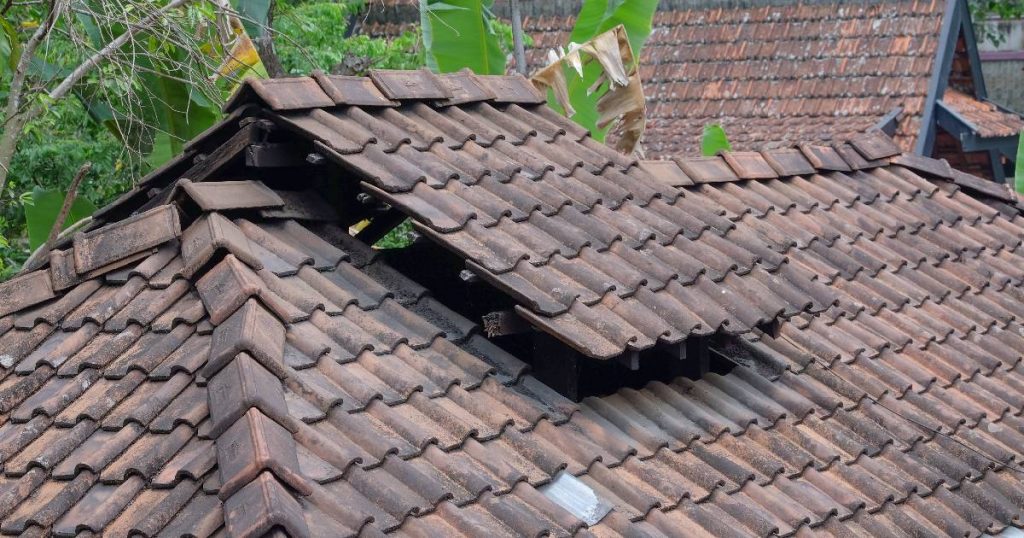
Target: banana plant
{"points": [[595, 18], [461, 34], [714, 140]]}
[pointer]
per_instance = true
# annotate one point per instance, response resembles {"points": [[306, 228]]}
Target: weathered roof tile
{"points": [[222, 195], [128, 237], [351, 91], [210, 234], [255, 444], [24, 291], [416, 84]]}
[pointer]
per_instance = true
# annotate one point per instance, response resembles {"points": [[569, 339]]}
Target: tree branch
{"points": [[69, 200], [69, 81]]}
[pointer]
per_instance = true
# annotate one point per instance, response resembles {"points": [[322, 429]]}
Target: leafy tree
{"points": [[984, 10]]}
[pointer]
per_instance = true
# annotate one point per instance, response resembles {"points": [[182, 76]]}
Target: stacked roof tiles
{"points": [[985, 118], [778, 75], [226, 361]]}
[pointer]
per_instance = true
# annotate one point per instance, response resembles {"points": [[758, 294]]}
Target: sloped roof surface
{"points": [[593, 245], [773, 75], [257, 370], [986, 119], [777, 75]]}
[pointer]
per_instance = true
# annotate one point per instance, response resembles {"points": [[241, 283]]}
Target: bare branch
{"points": [[69, 199], [65, 86]]}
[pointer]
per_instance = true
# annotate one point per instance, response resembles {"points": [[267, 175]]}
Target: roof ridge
{"points": [[872, 149], [384, 88], [92, 254], [257, 457]]}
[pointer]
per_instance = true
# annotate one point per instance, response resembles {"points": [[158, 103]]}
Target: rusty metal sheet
{"points": [[119, 240], [220, 195]]}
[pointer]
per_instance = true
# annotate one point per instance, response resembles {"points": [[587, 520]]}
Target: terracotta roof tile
{"points": [[118, 241], [25, 291], [985, 118], [773, 76], [231, 195], [885, 402]]}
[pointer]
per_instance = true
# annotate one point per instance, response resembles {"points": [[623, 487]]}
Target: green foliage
{"points": [[175, 109], [460, 34], [10, 45], [42, 207], [48, 156], [309, 38], [597, 16], [983, 10], [399, 237], [714, 140], [254, 15]]}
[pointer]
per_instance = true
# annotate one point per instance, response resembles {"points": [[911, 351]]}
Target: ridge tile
{"points": [[262, 506], [220, 195], [418, 84], [25, 291], [122, 239], [875, 145], [351, 90], [209, 234], [239, 386], [253, 329], [255, 444]]}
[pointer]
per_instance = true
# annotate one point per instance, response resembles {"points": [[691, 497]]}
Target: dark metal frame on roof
{"points": [[957, 20], [890, 121], [965, 133]]}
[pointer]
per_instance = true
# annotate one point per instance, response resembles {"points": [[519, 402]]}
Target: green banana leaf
{"points": [[458, 34], [255, 15], [714, 140], [42, 208], [597, 16]]}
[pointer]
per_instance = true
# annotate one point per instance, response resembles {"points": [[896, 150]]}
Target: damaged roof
{"points": [[228, 359]]}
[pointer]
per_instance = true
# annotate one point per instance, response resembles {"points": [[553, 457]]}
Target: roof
{"points": [[985, 118], [228, 359], [773, 75]]}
